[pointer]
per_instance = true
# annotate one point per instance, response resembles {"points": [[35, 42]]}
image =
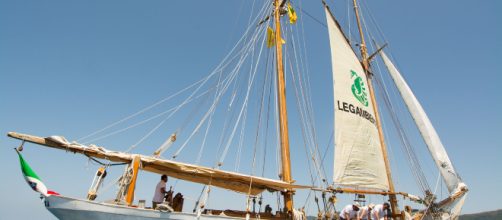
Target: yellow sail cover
{"points": [[242, 183], [358, 155]]}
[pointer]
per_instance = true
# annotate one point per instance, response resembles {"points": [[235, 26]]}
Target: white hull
{"points": [[74, 209]]}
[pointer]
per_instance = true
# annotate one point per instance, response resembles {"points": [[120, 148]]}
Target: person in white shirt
{"points": [[350, 211], [365, 212], [381, 211], [407, 213], [160, 191]]}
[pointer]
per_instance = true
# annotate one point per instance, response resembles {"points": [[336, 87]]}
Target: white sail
{"points": [[431, 138], [358, 154]]}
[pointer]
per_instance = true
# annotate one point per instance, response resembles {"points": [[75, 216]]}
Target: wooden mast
{"points": [[283, 113], [135, 164], [366, 66]]}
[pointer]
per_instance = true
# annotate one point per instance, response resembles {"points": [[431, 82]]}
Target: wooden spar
{"points": [[359, 191], [453, 197], [443, 202], [366, 66], [136, 162], [49, 143], [283, 113], [198, 174]]}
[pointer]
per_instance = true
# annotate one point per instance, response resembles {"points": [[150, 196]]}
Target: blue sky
{"points": [[72, 67]]}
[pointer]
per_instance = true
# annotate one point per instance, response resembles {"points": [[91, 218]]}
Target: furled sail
{"points": [[199, 174], [431, 138], [358, 154]]}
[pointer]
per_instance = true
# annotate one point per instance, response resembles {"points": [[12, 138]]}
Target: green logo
{"points": [[358, 89]]}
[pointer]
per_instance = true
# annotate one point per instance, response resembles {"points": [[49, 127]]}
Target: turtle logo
{"points": [[359, 89]]}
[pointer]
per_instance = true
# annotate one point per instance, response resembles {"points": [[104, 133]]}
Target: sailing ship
{"points": [[361, 164]]}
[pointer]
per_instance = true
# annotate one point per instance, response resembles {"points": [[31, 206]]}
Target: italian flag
{"points": [[32, 178]]}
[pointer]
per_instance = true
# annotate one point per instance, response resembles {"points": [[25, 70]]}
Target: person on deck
{"points": [[350, 211], [381, 211], [365, 212], [407, 213], [160, 191]]}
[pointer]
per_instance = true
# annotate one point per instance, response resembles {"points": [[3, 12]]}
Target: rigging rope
{"points": [[435, 190], [105, 164], [141, 122], [267, 122], [209, 124], [305, 69], [247, 48], [245, 102], [308, 130], [141, 111], [312, 17]]}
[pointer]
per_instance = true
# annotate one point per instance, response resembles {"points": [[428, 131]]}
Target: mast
{"points": [[135, 164], [283, 113], [366, 66]]}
